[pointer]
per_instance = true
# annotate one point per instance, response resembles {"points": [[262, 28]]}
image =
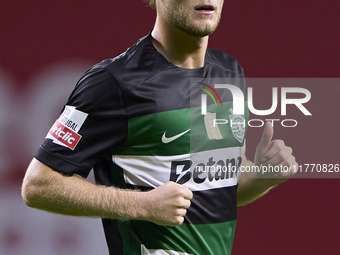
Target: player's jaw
{"points": [[195, 17]]}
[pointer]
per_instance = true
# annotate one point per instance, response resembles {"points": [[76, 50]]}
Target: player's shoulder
{"points": [[133, 53], [120, 73], [224, 61], [133, 64]]}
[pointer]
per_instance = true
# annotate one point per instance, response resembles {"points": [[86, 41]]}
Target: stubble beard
{"points": [[182, 19]]}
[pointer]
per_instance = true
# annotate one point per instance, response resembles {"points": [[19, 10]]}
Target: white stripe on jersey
{"points": [[153, 171]]}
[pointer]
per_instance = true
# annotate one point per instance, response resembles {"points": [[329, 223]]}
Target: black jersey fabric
{"points": [[138, 82]]}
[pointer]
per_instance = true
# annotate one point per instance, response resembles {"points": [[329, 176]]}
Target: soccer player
{"points": [[130, 119]]}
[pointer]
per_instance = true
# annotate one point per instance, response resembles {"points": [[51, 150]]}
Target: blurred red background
{"points": [[46, 46]]}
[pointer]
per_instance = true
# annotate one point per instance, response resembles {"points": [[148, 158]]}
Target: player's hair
{"points": [[152, 3]]}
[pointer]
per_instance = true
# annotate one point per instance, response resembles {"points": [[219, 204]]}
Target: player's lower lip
{"points": [[207, 12]]}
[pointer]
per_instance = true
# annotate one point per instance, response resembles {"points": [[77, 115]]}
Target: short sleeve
{"points": [[92, 124]]}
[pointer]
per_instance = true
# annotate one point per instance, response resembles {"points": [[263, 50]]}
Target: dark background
{"points": [[277, 39]]}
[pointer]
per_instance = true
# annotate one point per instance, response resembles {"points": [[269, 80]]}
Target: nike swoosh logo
{"points": [[170, 139]]}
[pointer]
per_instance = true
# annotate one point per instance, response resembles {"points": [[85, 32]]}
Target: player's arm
{"points": [[46, 189], [254, 184]]}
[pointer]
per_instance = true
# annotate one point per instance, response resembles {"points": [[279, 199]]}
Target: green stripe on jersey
{"points": [[207, 239], [145, 132]]}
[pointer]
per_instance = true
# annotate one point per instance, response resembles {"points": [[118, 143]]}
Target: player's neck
{"points": [[178, 47]]}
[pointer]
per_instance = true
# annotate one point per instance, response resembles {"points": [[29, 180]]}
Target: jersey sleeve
{"points": [[92, 124]]}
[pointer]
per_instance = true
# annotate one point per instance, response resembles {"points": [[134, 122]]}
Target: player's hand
{"points": [[167, 204], [274, 153]]}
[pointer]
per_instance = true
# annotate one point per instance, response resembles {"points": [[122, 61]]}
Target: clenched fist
{"points": [[167, 204]]}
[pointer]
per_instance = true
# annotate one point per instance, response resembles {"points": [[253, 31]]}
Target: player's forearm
{"points": [[71, 195], [250, 187]]}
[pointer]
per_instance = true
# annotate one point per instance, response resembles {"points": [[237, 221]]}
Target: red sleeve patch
{"points": [[65, 130]]}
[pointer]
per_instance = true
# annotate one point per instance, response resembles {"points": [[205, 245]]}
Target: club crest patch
{"points": [[237, 124]]}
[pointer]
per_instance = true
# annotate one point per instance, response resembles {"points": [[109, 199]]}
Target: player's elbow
{"points": [[29, 193], [33, 190], [35, 184]]}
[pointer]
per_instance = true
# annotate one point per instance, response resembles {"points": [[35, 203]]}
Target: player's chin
{"points": [[202, 29]]}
